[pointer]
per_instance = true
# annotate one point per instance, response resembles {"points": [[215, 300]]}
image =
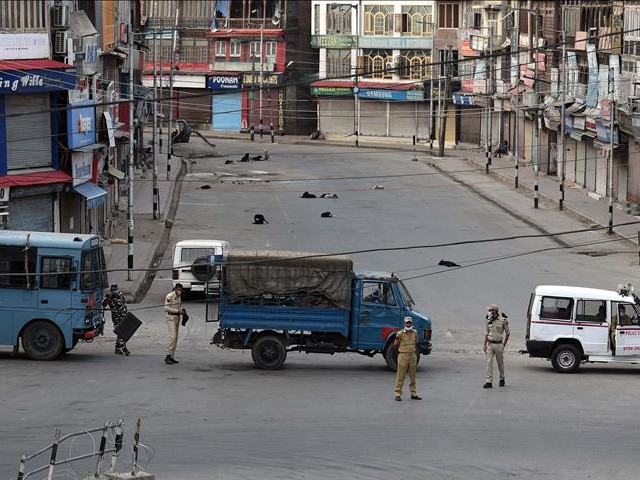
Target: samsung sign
{"points": [[223, 82]]}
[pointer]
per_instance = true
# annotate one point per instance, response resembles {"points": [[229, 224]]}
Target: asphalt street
{"points": [[323, 417]]}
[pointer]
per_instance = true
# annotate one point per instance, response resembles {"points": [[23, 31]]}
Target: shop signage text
{"points": [[82, 166], [392, 95], [254, 79], [333, 41], [223, 82], [331, 91], [81, 124], [22, 46], [12, 81]]}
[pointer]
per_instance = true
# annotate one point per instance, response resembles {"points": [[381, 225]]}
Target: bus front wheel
{"points": [[42, 341]]}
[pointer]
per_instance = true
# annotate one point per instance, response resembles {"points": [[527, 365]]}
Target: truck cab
{"points": [[572, 325], [380, 303]]}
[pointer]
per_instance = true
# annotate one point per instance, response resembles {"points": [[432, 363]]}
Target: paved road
{"points": [[325, 417]]}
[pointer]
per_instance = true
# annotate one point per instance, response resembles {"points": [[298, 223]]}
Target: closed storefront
{"points": [[470, 121], [402, 119], [336, 115], [581, 163], [28, 131], [31, 210], [373, 118], [226, 111], [590, 165], [633, 183], [194, 106]]}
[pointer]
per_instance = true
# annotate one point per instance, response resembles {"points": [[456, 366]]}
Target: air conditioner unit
{"points": [[634, 104], [60, 43], [60, 18]]}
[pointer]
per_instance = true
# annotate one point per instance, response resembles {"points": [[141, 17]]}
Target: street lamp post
{"points": [[610, 172]]}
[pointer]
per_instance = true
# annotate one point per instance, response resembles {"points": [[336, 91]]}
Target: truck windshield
{"points": [[94, 270], [408, 300]]}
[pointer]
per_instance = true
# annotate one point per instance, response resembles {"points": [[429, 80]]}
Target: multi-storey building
{"points": [[375, 57], [58, 161], [237, 64]]}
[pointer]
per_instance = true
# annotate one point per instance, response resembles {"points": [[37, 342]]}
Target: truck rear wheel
{"points": [[566, 358], [42, 341], [268, 353]]}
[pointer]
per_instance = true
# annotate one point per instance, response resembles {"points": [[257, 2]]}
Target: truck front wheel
{"points": [[391, 357], [268, 353], [565, 358]]}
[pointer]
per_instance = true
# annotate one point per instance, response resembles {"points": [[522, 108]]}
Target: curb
{"points": [[144, 285]]}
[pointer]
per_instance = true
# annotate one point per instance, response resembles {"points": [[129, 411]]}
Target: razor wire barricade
{"points": [[111, 444]]}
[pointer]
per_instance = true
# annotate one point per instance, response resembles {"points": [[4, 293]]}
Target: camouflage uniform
{"points": [[116, 302]]}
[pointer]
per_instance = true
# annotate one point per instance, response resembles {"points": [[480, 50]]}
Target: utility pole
{"points": [[171, 101], [563, 156], [610, 172], [536, 139], [431, 111], [515, 44], [444, 110], [489, 98], [156, 194], [161, 90], [131, 152], [357, 88], [261, 74], [252, 92]]}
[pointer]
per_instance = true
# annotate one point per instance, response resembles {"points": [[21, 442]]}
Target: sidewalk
{"points": [[151, 236]]}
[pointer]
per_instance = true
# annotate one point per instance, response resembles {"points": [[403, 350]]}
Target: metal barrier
{"points": [[114, 428]]}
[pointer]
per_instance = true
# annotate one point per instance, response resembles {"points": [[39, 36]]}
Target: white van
{"points": [[571, 325], [196, 262]]}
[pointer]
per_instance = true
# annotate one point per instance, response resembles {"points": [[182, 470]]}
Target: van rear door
{"points": [[591, 325]]}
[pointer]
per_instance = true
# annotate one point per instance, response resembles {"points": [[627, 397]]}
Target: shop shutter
{"points": [[373, 118], [31, 213], [423, 120], [194, 105], [633, 183], [336, 115], [470, 124], [29, 133], [591, 165], [402, 119], [226, 111]]}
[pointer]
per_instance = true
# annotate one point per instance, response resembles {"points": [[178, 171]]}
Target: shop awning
{"points": [[41, 64], [89, 148], [114, 172], [576, 107], [34, 178], [94, 195]]}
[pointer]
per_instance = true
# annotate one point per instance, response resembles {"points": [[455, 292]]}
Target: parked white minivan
{"points": [[571, 325], [196, 263]]}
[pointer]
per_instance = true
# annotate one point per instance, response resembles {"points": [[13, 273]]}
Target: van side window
{"points": [[556, 308], [594, 311]]}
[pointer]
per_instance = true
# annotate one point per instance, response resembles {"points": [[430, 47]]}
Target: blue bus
{"points": [[51, 290]]}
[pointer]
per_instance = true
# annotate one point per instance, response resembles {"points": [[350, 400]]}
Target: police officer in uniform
{"points": [[115, 300], [173, 309], [495, 339], [405, 344]]}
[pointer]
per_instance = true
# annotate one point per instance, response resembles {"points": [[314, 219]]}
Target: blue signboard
{"points": [[24, 81], [223, 82], [392, 95], [81, 124], [462, 99]]}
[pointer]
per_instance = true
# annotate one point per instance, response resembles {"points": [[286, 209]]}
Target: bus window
{"points": [[94, 270], [14, 272], [56, 272]]}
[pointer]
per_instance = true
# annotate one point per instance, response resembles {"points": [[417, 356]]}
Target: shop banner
{"points": [[81, 124]]}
